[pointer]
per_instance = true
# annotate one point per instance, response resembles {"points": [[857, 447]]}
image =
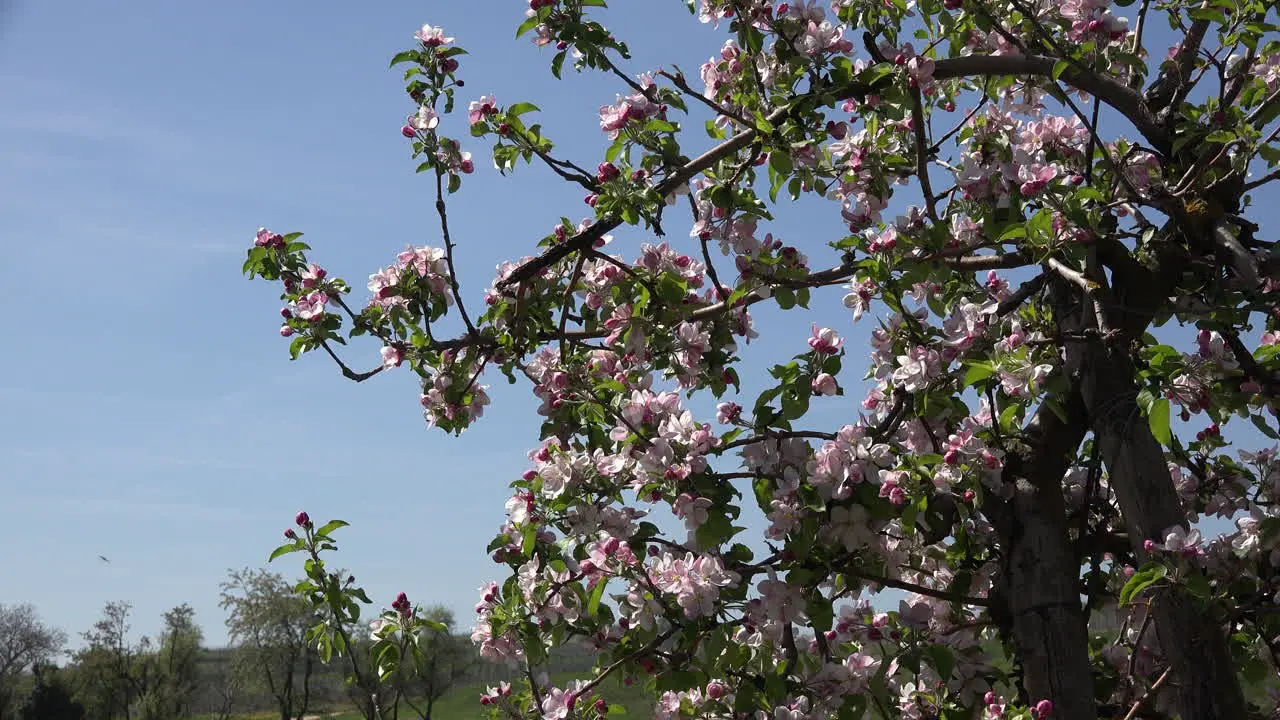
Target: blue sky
{"points": [[150, 411]]}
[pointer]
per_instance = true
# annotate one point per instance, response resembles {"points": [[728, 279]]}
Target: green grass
{"points": [[463, 702]]}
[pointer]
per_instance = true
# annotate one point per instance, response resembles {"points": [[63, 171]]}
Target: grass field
{"points": [[463, 703]]}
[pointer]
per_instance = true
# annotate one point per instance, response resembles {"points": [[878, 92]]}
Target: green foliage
{"points": [[50, 698]]}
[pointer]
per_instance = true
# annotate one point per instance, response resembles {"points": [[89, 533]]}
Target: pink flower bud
{"points": [[285, 331], [607, 171], [716, 690], [991, 698], [824, 384], [289, 533], [302, 519], [408, 131], [1042, 709]]}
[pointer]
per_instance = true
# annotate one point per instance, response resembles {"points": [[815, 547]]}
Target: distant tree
{"points": [[24, 643], [446, 658], [222, 688], [50, 698], [269, 626], [168, 677], [107, 683]]}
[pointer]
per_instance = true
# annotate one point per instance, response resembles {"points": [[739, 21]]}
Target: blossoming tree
{"points": [[1015, 466]]}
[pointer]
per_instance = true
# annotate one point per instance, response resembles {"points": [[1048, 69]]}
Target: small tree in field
{"points": [[25, 642], [50, 698], [268, 625], [1033, 445]]}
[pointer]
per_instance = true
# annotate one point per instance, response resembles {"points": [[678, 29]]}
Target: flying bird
{"points": [[104, 559]]}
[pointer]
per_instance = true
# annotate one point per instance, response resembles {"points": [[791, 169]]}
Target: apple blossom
{"points": [[1043, 254]]}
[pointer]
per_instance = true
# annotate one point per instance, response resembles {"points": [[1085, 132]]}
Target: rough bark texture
{"points": [[1103, 373], [1041, 592], [1193, 642]]}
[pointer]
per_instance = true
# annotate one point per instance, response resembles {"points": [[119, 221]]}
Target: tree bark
{"points": [[1103, 373], [1039, 583], [1207, 688]]}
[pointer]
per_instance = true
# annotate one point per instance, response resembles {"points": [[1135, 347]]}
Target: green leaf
{"points": [[942, 659], [285, 549], [597, 592], [1209, 15], [781, 163], [786, 297], [521, 108], [1150, 574], [977, 371], [1158, 419], [331, 526], [1058, 68], [529, 540], [671, 291], [528, 25], [821, 615], [1262, 425], [404, 56], [1014, 232]]}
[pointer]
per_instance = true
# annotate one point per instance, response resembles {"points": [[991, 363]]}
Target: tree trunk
{"points": [[1195, 645], [1207, 688], [1039, 584]]}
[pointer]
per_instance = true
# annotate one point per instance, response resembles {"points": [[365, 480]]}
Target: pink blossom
{"points": [[392, 356], [312, 276], [825, 341], [824, 384], [691, 509], [266, 238], [432, 36], [478, 110], [311, 307], [425, 119], [917, 368], [1035, 178]]}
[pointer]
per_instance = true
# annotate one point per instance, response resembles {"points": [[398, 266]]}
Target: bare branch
{"points": [[922, 156], [1091, 290], [1133, 711], [347, 372], [448, 252], [1122, 98], [1241, 260]]}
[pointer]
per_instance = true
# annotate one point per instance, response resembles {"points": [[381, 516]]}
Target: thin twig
{"points": [[679, 81], [922, 157], [1133, 711], [448, 252], [347, 372], [1090, 288]]}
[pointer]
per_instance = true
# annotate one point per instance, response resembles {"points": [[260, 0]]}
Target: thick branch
{"points": [[1122, 98]]}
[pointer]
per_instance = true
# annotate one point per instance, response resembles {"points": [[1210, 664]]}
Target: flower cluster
{"points": [[1019, 335]]}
